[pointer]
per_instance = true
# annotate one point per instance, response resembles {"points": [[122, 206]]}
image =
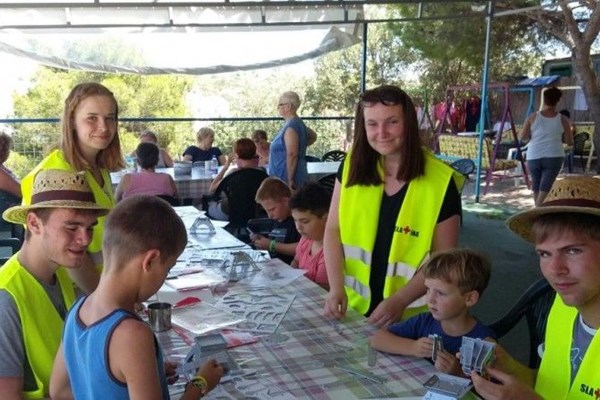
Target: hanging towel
{"points": [[580, 103]]}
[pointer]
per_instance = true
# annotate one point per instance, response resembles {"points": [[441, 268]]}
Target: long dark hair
{"points": [[364, 159]]}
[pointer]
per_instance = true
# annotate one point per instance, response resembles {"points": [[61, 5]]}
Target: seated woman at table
{"points": [[164, 159], [10, 188], [259, 137], [204, 151], [147, 181], [243, 156]]}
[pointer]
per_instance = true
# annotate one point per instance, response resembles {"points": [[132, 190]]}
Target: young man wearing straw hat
{"points": [[35, 293], [566, 232]]}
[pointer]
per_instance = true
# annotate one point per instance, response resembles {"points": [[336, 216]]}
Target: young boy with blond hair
{"points": [[107, 351], [274, 196], [455, 280]]}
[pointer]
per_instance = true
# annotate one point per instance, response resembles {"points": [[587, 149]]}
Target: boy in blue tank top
{"points": [[455, 280], [107, 351]]}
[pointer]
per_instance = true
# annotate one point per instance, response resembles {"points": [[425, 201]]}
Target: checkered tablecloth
{"points": [[306, 358]]}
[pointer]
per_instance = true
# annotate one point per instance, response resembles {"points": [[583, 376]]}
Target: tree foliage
{"points": [[336, 86], [452, 48]]}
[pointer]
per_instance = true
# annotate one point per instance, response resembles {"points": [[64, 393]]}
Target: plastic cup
{"points": [[159, 316]]}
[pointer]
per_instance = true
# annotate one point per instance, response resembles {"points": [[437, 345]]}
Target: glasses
{"points": [[386, 95], [282, 104]]}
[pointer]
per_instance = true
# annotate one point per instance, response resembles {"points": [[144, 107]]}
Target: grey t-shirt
{"points": [[582, 337], [13, 362]]}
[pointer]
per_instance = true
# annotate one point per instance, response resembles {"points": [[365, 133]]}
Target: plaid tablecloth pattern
{"points": [[306, 358]]}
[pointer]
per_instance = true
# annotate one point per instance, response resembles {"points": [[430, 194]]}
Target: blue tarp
{"points": [[539, 81]]}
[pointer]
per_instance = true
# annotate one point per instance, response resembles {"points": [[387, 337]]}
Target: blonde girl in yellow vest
{"points": [[387, 165], [89, 143]]}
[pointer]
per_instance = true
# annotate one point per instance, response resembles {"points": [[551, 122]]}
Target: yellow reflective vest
{"points": [[41, 323], [413, 235], [554, 376], [102, 195]]}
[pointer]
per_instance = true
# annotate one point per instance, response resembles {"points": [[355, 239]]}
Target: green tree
{"points": [[336, 86], [451, 49]]}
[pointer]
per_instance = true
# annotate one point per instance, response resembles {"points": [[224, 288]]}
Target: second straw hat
{"points": [[577, 194]]}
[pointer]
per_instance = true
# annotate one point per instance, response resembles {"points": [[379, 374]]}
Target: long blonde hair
{"points": [[111, 157]]}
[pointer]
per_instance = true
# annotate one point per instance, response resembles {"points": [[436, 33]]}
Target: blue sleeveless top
{"points": [[278, 156], [86, 357]]}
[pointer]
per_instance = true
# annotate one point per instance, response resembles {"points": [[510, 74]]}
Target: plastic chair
{"points": [[8, 247], [312, 158], [535, 306], [464, 166], [173, 201], [240, 188], [328, 182], [334, 155], [578, 150]]}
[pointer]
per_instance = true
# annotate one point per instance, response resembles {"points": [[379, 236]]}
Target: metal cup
{"points": [[159, 316]]}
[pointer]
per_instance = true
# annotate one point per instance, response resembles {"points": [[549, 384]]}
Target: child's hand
{"points": [[260, 242], [423, 347], [336, 304], [212, 371], [448, 364]]}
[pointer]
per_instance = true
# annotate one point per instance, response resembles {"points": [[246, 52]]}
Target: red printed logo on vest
{"points": [[407, 230]]}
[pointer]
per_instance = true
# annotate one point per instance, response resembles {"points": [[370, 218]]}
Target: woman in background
{"points": [[546, 131], [164, 159], [393, 203], [260, 139], [204, 151], [287, 155], [10, 188], [243, 156]]}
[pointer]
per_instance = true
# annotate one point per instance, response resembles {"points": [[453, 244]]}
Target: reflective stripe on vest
{"points": [[41, 323], [393, 269], [102, 196], [362, 290], [413, 235], [554, 376]]}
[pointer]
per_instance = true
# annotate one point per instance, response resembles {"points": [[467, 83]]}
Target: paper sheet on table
{"points": [[202, 318], [197, 280], [274, 273], [219, 240]]}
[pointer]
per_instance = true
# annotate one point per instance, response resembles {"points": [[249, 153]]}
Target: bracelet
{"points": [[272, 245], [200, 382]]}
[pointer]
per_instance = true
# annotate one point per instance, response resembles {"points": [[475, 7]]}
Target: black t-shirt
{"points": [[388, 215], [285, 232]]}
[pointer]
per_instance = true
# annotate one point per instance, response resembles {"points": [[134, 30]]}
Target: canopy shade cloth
{"points": [[165, 37]]}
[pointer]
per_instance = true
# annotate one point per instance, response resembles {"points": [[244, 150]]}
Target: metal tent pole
{"points": [[486, 61], [363, 65]]}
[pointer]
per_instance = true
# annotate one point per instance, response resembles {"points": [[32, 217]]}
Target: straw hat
{"points": [[578, 194], [53, 188]]}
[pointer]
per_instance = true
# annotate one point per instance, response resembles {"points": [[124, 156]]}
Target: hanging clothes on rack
{"points": [[472, 113]]}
